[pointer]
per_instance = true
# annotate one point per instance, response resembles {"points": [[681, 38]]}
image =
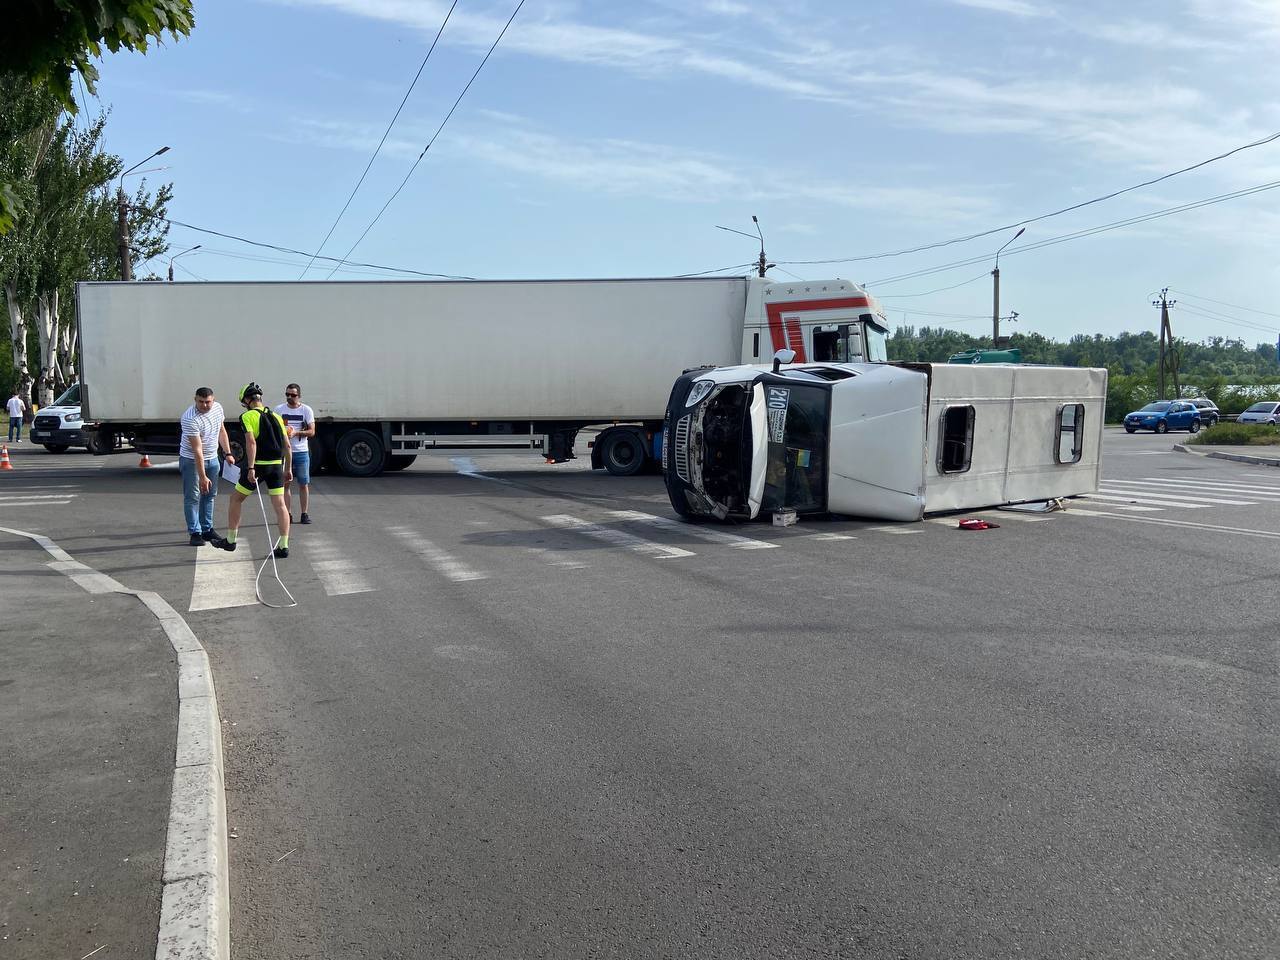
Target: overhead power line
{"points": [[386, 133], [703, 273], [1227, 318], [1043, 216], [303, 253], [1090, 231], [929, 293], [379, 214], [1234, 306]]}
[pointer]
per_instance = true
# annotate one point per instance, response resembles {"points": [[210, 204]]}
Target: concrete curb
{"points": [[195, 906], [1237, 457]]}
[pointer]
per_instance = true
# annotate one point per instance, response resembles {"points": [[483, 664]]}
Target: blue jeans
{"points": [[301, 468], [15, 428], [197, 506]]}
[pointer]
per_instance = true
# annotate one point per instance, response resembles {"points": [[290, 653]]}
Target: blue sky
{"points": [[608, 139]]}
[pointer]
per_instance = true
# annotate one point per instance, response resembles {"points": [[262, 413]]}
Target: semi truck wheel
{"points": [[623, 453], [360, 453], [400, 461]]}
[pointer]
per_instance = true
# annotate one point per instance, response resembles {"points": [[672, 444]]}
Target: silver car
{"points": [[1268, 411]]}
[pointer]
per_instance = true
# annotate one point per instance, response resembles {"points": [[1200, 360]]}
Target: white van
{"points": [[891, 441], [58, 426]]}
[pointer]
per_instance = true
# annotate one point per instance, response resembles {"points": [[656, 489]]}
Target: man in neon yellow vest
{"points": [[266, 460]]}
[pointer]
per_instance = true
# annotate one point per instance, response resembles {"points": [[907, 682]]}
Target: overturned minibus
{"points": [[891, 441]]}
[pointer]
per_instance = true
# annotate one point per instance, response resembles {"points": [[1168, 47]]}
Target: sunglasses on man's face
{"points": [[290, 394]]}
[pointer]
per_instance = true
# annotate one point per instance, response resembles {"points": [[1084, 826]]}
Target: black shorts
{"points": [[271, 474]]}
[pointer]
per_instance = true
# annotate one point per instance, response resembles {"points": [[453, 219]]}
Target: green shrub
{"points": [[1239, 434]]}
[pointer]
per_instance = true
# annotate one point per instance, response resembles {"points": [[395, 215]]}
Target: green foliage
{"points": [[69, 230], [1205, 369], [1239, 434], [50, 40]]}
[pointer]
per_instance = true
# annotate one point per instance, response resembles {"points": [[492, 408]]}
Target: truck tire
{"points": [[400, 461], [360, 453], [57, 447], [623, 452], [318, 454], [100, 444]]}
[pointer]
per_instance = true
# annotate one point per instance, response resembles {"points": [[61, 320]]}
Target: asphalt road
{"points": [[516, 715]]}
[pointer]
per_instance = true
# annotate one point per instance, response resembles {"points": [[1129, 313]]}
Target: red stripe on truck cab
{"points": [[778, 330]]}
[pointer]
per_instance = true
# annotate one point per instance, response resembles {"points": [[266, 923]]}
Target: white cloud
{"points": [[1015, 8]]}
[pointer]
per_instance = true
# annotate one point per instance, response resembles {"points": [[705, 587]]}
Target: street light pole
{"points": [[995, 304], [177, 255], [122, 219]]}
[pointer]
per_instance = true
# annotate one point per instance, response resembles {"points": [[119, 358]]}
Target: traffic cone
{"points": [[145, 461], [4, 458]]}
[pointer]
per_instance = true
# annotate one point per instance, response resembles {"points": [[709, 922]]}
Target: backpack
{"points": [[270, 436]]}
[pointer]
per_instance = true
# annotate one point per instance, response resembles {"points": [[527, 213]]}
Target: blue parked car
{"points": [[1164, 416]]}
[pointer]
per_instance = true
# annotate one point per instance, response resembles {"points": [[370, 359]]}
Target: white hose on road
{"points": [[271, 557]]}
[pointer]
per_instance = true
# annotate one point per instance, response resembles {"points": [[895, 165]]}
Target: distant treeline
{"points": [[1217, 368]]}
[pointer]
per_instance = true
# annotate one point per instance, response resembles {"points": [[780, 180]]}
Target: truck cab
{"points": [[820, 321], [58, 426]]}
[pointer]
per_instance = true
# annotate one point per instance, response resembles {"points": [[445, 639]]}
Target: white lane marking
{"points": [[694, 530], [1208, 486], [35, 502], [1131, 498], [618, 538], [1185, 524], [829, 536], [555, 558], [223, 579], [467, 467], [37, 496], [896, 530], [338, 573], [1132, 508], [1179, 496], [444, 563]]}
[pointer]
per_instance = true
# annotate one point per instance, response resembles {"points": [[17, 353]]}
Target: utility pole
{"points": [[995, 298], [1166, 343], [122, 218], [122, 233]]}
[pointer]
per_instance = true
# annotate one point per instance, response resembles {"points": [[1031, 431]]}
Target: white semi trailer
{"points": [[392, 368]]}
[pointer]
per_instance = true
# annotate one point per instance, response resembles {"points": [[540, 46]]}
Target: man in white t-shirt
{"points": [[203, 434], [16, 407], [301, 421]]}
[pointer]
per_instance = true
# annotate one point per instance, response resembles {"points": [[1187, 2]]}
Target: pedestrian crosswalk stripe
{"points": [[443, 562], [17, 499], [616, 537], [1134, 508], [339, 574], [830, 536], [1178, 496], [1133, 498], [1183, 524], [1190, 486], [694, 530], [222, 578], [897, 530]]}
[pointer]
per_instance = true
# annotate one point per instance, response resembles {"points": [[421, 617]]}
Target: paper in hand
{"points": [[230, 472]]}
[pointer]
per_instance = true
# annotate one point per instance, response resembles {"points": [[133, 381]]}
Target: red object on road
{"points": [[973, 523]]}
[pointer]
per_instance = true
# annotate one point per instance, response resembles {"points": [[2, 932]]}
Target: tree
{"points": [[68, 232], [47, 41]]}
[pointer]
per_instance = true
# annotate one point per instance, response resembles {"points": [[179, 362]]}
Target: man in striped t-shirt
{"points": [[203, 434]]}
